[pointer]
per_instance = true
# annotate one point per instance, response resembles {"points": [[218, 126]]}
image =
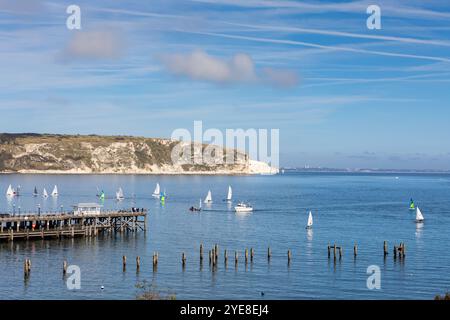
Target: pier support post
{"points": [[201, 252], [216, 251], [334, 251], [236, 258], [124, 262], [27, 267], [252, 253], [289, 254], [64, 267], [246, 255], [138, 263], [355, 250], [340, 252], [183, 260], [269, 253], [385, 248], [225, 257]]}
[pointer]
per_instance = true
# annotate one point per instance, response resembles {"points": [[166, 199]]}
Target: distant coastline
{"points": [[373, 171]]}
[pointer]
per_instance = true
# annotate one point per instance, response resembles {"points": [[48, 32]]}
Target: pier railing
{"points": [[69, 223]]}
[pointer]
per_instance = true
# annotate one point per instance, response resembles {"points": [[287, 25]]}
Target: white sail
{"points": [[119, 194], [157, 191], [10, 191], [55, 191], [208, 198], [310, 220], [44, 193], [230, 193], [419, 216], [200, 204]]}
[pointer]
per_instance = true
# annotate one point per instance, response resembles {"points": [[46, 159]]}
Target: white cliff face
{"points": [[55, 154], [258, 167]]}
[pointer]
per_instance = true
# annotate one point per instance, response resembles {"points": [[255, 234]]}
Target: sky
{"points": [[342, 95]]}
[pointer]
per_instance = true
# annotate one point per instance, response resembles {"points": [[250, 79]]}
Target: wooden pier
{"points": [[70, 224]]}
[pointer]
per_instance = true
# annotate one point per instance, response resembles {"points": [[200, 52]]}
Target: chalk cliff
{"points": [[92, 154]]}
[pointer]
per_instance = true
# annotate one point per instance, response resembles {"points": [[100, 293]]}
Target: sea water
{"points": [[348, 209]]}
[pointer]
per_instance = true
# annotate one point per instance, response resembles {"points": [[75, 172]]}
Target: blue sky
{"points": [[342, 95]]}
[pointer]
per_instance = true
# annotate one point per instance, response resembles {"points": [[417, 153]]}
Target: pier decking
{"points": [[70, 224]]}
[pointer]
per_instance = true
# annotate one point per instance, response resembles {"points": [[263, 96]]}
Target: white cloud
{"points": [[99, 44], [240, 68], [283, 78]]}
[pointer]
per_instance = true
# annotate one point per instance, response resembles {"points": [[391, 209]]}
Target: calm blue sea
{"points": [[365, 209]]}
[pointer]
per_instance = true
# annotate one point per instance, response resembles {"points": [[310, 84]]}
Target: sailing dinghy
{"points": [[35, 192], [419, 216], [230, 194], [157, 192], [310, 221], [55, 191], [208, 199], [44, 193], [10, 192], [119, 195]]}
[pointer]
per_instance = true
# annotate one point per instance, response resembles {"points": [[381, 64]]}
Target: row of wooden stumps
{"points": [[27, 267], [213, 255], [335, 250], [399, 250], [249, 255], [138, 262]]}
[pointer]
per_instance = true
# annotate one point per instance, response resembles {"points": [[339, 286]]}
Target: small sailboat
{"points": [[119, 195], [208, 198], [157, 192], [35, 192], [44, 193], [309, 224], [412, 206], [419, 216], [55, 191], [243, 207], [230, 194], [10, 192], [194, 209]]}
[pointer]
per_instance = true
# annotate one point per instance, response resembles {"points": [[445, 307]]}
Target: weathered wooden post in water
{"points": [[334, 250], [252, 253], [340, 252], [64, 267], [155, 261], [138, 263], [124, 262], [236, 258], [269, 253], [395, 252], [385, 248], [201, 252], [289, 254], [355, 250], [329, 251], [213, 257], [183, 260], [246, 255], [225, 257], [210, 257]]}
